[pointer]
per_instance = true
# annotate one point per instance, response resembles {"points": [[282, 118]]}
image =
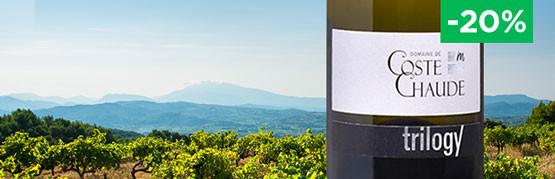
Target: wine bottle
{"points": [[400, 103]]}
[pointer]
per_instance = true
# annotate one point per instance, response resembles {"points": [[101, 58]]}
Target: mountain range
{"points": [[110, 98], [207, 92], [509, 105], [8, 103], [185, 117], [229, 94], [216, 106], [53, 99], [509, 109]]}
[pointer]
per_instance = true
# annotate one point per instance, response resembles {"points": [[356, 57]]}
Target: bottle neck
{"points": [[385, 15]]}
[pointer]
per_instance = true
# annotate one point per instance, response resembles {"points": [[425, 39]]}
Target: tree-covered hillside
{"points": [[53, 129], [184, 117]]}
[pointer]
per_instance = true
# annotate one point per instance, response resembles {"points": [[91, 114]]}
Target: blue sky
{"points": [[525, 68], [95, 47]]}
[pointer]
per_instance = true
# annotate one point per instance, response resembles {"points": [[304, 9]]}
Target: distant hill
{"points": [[110, 98], [204, 93], [229, 94], [53, 129], [143, 116], [53, 99], [504, 109], [263, 107], [9, 104], [510, 109], [61, 101], [510, 99]]}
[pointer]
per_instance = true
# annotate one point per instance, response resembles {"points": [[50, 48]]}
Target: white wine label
{"points": [[403, 74]]}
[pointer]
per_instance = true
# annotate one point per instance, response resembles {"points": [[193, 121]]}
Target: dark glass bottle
{"points": [[353, 135]]}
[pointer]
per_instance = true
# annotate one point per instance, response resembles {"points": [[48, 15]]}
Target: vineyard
{"points": [[533, 144], [38, 147], [201, 155]]}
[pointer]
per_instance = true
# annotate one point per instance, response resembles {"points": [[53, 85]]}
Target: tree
{"points": [[218, 140], [206, 163], [547, 138], [53, 157], [523, 135], [498, 137], [249, 145], [178, 167], [170, 136], [505, 167], [48, 127], [149, 153], [491, 124], [302, 157], [253, 169], [90, 154], [22, 120], [22, 154], [550, 110], [542, 114], [213, 163]]}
